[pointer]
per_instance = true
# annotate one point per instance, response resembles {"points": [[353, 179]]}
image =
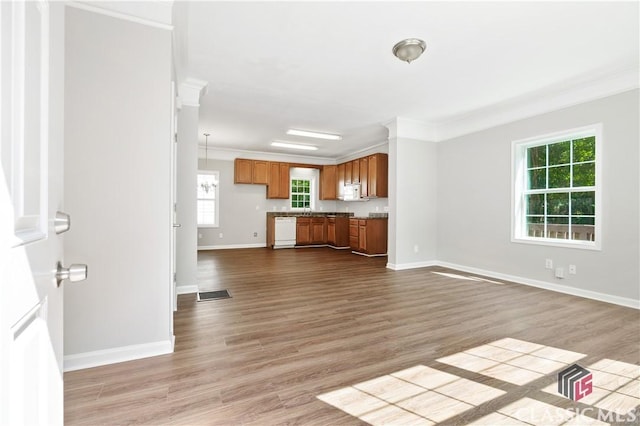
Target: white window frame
{"points": [[312, 193], [216, 223], [519, 186]]}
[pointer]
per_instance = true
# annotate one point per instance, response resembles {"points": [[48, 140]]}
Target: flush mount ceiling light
{"points": [[318, 135], [409, 49], [294, 146]]}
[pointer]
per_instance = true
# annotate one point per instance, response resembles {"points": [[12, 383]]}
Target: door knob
{"points": [[177, 225], [73, 273]]}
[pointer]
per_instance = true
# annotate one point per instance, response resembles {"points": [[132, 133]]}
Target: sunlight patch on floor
{"points": [[422, 395], [467, 277]]}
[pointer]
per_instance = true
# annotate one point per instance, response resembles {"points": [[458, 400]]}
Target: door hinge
{"points": [[175, 137]]}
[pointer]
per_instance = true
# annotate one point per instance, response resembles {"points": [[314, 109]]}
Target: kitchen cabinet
{"points": [[348, 173], [377, 176], [243, 171], [303, 231], [353, 234], [250, 171], [368, 236], [355, 171], [340, 181], [311, 230], [260, 172], [338, 231], [364, 172], [328, 185], [318, 230], [278, 182]]}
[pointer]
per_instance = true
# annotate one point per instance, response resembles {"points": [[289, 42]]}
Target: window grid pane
{"points": [[553, 208], [300, 193]]}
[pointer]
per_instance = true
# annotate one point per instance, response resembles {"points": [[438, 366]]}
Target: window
{"points": [[301, 193], [556, 196], [208, 191]]}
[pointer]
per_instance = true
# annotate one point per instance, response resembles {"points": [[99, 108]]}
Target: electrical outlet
{"points": [[220, 235], [416, 248], [559, 272], [548, 264], [199, 235], [572, 269]]}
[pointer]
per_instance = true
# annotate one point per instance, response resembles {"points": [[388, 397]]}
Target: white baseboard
{"points": [[412, 265], [588, 294], [232, 246], [186, 289], [114, 355]]}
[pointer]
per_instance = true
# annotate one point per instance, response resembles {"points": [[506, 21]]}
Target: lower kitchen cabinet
{"points": [[368, 236], [311, 230], [338, 231]]}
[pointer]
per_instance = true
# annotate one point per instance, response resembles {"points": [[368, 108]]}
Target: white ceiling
{"points": [[328, 66]]}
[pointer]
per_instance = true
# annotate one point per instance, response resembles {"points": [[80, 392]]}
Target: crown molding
{"points": [[232, 154], [545, 100], [120, 10], [191, 90], [407, 128]]}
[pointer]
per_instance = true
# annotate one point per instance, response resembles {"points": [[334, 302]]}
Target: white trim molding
{"points": [[150, 15], [191, 90], [232, 246], [412, 265], [186, 289], [573, 291], [114, 355]]}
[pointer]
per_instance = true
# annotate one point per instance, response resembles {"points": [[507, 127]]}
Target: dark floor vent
{"points": [[213, 295]]}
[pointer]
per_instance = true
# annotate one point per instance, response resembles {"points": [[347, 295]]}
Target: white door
{"points": [[174, 179], [31, 126]]}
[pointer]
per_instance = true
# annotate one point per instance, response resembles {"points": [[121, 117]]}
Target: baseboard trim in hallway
{"points": [[114, 355]]}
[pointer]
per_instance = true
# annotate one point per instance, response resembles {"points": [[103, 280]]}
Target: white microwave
{"points": [[351, 192]]}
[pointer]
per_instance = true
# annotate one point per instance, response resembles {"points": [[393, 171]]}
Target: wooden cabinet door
{"points": [[340, 181], [378, 175], [260, 172], [348, 173], [364, 180], [278, 186], [328, 182], [331, 231], [284, 181], [362, 236], [243, 171], [318, 233], [355, 171], [353, 234], [303, 231]]}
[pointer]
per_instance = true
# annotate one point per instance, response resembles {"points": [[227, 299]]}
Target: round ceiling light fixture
{"points": [[409, 49]]}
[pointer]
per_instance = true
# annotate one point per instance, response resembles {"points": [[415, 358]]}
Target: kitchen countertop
{"points": [[350, 215]]}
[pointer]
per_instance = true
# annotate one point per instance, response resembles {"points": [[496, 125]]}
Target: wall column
{"points": [[412, 194], [186, 182]]}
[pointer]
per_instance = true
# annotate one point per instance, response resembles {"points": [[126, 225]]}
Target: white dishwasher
{"points": [[285, 232]]}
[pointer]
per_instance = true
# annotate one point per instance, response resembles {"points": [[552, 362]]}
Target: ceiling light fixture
{"points": [[409, 49], [318, 135], [206, 147], [294, 146]]}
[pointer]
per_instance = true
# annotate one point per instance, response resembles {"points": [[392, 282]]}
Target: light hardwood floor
{"points": [[323, 337]]}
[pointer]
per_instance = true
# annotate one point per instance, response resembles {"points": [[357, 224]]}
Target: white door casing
{"points": [[31, 128]]}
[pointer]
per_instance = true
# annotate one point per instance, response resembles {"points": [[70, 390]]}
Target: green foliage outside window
{"points": [[560, 191], [300, 193]]}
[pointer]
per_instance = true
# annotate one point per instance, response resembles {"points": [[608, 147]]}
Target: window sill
{"points": [[552, 242]]}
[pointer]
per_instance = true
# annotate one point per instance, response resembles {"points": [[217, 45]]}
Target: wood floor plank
{"points": [[302, 323]]}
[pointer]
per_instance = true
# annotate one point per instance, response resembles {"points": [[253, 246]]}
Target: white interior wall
{"points": [[474, 201], [186, 194], [117, 189]]}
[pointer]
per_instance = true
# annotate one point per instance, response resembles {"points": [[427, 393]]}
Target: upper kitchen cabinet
{"points": [[328, 188], [278, 183], [340, 180], [378, 175], [243, 171], [260, 172], [251, 171], [355, 171], [364, 180], [348, 175]]}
